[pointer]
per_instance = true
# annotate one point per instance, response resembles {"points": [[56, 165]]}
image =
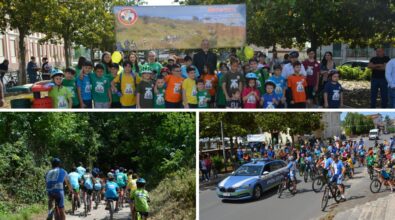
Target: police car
{"points": [[252, 179]]}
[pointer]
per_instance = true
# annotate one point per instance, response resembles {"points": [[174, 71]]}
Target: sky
{"points": [[391, 114]]}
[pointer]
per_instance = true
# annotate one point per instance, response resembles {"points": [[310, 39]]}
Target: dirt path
{"points": [[100, 213]]}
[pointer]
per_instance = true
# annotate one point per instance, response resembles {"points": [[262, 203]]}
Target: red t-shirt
{"points": [[252, 101], [312, 71]]}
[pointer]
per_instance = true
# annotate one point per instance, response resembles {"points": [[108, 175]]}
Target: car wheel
{"points": [[257, 193]]}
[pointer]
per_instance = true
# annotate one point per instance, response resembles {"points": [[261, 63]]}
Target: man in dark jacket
{"points": [[205, 57]]}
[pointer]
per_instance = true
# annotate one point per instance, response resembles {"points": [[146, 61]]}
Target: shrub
{"points": [[218, 163], [354, 73]]}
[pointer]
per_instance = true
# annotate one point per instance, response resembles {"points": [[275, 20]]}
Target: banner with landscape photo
{"points": [[179, 27]]}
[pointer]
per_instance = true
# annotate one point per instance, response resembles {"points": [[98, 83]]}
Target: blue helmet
{"points": [[55, 162], [55, 72], [251, 76], [141, 180]]}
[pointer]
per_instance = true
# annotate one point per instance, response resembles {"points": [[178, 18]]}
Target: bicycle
{"points": [[319, 182], [55, 211], [10, 80], [308, 172], [87, 202], [285, 184], [111, 208], [331, 191], [96, 198], [375, 185], [370, 172], [74, 203]]}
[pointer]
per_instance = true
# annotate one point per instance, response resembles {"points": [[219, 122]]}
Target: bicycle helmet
{"points": [[56, 72], [146, 69], [271, 83], [251, 76], [110, 175], [294, 54], [55, 162], [141, 180]]}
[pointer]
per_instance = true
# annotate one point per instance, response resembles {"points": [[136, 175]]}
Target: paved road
{"points": [[306, 204], [100, 214]]}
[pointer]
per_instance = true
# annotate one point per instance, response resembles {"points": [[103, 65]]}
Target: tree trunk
{"points": [[22, 58], [67, 53]]}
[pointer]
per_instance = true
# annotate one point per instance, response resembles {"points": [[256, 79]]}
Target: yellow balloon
{"points": [[116, 57], [249, 52]]}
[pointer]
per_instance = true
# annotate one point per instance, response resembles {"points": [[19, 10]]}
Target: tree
{"points": [[25, 17], [320, 22], [357, 124]]}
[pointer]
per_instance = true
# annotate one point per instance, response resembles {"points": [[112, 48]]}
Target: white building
{"points": [[331, 125]]}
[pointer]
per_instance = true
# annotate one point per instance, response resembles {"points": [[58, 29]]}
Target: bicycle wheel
{"points": [[375, 186], [111, 206], [305, 176], [318, 184], [337, 195], [325, 198], [280, 189]]}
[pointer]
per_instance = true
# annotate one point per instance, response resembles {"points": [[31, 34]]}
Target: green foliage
{"points": [[153, 144], [218, 163], [236, 124], [175, 196], [357, 124], [354, 73], [321, 22]]}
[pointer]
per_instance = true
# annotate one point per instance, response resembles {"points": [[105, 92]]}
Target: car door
{"points": [[266, 180], [276, 171]]}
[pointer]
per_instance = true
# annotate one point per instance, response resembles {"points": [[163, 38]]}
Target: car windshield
{"points": [[373, 133], [248, 171]]}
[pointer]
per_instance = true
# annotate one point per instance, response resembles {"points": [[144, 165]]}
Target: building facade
{"points": [[331, 125], [343, 53], [9, 49]]}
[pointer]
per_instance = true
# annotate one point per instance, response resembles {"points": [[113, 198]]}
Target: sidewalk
{"points": [[213, 181], [382, 208]]}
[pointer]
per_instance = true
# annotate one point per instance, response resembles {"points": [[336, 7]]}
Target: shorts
{"points": [[76, 189], [87, 103], [192, 106], [88, 191], [58, 198], [130, 107], [112, 198], [76, 106], [102, 105], [338, 179], [292, 175], [310, 92], [143, 214], [298, 105], [116, 105]]}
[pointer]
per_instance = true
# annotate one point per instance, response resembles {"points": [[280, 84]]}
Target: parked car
{"points": [[363, 64], [252, 179]]}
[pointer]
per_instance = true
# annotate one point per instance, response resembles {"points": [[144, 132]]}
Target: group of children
{"points": [[176, 86]]}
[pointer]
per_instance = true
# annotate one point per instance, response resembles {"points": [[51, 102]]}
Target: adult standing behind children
{"points": [[312, 68], [288, 68], [390, 76], [378, 81], [205, 57]]}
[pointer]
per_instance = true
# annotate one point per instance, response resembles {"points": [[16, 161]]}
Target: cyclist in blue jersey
{"points": [[87, 187], [54, 179], [111, 190], [75, 181], [80, 169], [327, 166], [122, 180], [338, 170], [292, 172]]}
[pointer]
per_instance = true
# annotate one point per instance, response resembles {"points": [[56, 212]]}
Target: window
{"points": [[12, 48], [337, 50], [1, 47]]}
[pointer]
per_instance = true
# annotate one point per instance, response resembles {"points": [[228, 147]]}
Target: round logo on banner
{"points": [[127, 16]]}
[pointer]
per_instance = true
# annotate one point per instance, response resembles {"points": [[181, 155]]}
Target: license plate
{"points": [[226, 194]]}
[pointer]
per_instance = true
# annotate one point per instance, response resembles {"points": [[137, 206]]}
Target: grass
{"points": [[25, 213], [175, 197], [147, 30]]}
